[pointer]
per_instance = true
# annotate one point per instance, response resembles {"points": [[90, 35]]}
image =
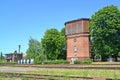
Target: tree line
{"points": [[51, 46], [104, 36]]}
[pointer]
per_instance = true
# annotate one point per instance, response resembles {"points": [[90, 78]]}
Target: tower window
{"points": [[75, 49], [75, 39]]}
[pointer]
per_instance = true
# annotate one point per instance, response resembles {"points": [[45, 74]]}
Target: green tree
{"points": [[105, 32], [53, 43], [34, 49], [63, 31], [62, 47], [119, 54], [1, 56]]}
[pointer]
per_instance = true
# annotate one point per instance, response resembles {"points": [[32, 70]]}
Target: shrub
{"points": [[56, 62], [9, 63], [78, 62], [40, 59], [47, 62], [87, 61]]}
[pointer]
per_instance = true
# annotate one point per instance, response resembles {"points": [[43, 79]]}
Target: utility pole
{"points": [[19, 46]]}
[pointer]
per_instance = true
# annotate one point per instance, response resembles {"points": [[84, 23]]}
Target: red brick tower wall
{"points": [[77, 35]]}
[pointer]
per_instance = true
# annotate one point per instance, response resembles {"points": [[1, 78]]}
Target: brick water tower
{"points": [[78, 42]]}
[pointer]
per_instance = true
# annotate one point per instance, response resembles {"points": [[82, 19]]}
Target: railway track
{"points": [[108, 67], [55, 77], [45, 77]]}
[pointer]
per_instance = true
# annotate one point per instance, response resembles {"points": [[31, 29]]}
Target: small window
{"points": [[75, 39], [75, 49]]}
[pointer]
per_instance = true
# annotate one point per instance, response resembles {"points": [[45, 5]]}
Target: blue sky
{"points": [[20, 19]]}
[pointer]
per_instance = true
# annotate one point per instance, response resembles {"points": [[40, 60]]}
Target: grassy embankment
{"points": [[114, 74], [80, 72]]}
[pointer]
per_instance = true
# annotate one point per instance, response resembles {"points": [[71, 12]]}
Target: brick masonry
{"points": [[77, 35]]}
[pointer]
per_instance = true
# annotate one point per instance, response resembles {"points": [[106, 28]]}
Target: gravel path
{"points": [[15, 69], [29, 68]]}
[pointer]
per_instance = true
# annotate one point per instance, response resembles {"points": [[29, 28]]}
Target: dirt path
{"points": [[15, 69]]}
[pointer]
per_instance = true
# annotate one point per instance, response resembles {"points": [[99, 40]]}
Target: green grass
{"points": [[79, 72], [15, 79], [8, 63], [7, 78], [114, 74], [105, 63]]}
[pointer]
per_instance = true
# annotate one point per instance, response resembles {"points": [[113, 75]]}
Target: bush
{"points": [[47, 62], [9, 63], [38, 62], [56, 62], [78, 62], [40, 59], [87, 61]]}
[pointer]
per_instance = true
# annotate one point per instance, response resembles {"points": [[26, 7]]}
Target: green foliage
{"points": [[87, 61], [1, 57], [9, 63], [53, 43], [78, 62], [34, 49], [63, 31], [40, 59], [97, 56], [119, 54], [28, 79], [52, 47], [105, 32], [56, 62]]}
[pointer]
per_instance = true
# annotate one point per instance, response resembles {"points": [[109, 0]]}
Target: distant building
{"points": [[78, 41], [13, 57]]}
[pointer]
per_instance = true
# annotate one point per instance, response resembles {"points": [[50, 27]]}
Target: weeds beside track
{"points": [[44, 77], [70, 66]]}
